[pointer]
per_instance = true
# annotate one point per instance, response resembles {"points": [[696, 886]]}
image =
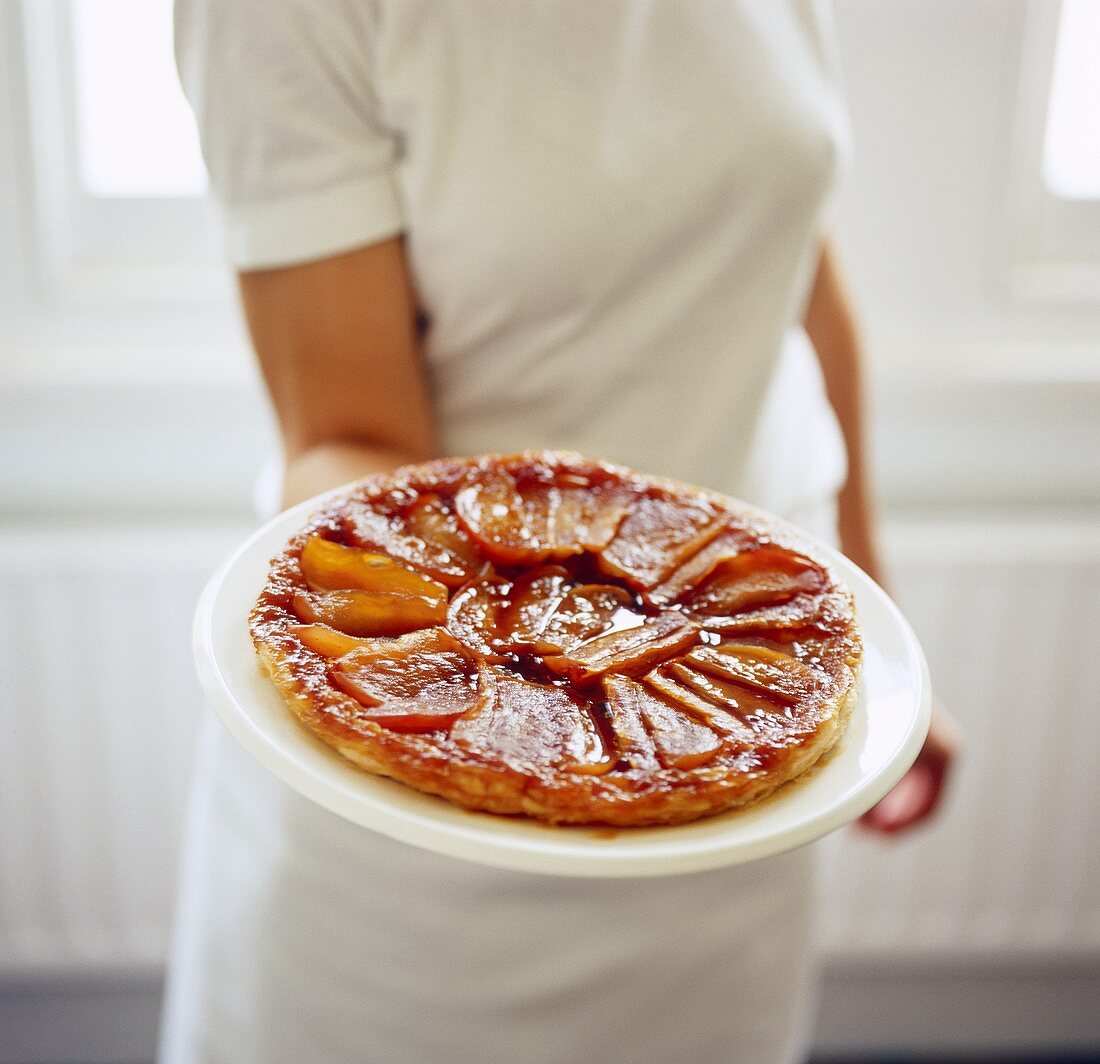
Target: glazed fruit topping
{"points": [[703, 707], [421, 681], [656, 536], [326, 641], [551, 616], [547, 636], [329, 566], [654, 729], [425, 536], [777, 675], [526, 724], [763, 577], [531, 602], [547, 519], [587, 611], [370, 612], [629, 650]]}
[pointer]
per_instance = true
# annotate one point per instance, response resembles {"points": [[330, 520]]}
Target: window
{"points": [[117, 176], [135, 135], [1071, 146], [1056, 208], [120, 251]]}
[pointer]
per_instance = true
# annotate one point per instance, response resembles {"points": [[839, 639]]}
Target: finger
{"points": [[920, 792], [913, 800]]}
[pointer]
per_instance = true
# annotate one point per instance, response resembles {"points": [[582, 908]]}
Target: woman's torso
{"points": [[612, 212]]}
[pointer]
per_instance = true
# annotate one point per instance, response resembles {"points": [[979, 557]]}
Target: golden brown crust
{"points": [[734, 674]]}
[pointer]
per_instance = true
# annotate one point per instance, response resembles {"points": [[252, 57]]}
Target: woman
{"points": [[476, 226]]}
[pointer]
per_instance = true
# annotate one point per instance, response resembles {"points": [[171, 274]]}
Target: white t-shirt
{"points": [[612, 211], [611, 208]]}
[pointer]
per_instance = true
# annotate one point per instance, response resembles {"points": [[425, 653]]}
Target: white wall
{"points": [[985, 394]]}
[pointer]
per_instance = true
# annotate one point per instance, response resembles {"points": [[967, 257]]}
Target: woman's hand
{"points": [[920, 791]]}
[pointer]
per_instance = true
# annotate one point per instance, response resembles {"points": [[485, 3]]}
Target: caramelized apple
{"points": [[329, 566], [633, 742], [532, 600], [426, 536], [697, 567], [764, 577], [473, 617], [449, 551], [326, 641], [423, 681], [569, 515], [630, 651], [586, 518], [588, 611], [369, 612], [664, 683], [656, 536], [540, 520], [491, 511], [777, 675], [525, 724], [678, 740]]}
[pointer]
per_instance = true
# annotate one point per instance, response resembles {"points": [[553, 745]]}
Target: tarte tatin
{"points": [[544, 635]]}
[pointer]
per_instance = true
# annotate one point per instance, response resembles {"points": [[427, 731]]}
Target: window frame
{"points": [[1053, 243], [97, 289], [91, 249]]}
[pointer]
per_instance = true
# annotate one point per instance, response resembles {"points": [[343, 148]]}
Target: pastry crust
{"points": [[578, 643]]}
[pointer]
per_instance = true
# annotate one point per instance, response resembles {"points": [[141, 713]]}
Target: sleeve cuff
{"points": [[297, 229]]}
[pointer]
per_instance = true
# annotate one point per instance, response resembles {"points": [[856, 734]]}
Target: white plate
{"points": [[886, 732]]}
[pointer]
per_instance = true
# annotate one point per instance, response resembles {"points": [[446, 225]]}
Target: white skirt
{"points": [[304, 939]]}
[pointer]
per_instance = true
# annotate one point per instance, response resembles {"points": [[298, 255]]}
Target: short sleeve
{"points": [[287, 115]]}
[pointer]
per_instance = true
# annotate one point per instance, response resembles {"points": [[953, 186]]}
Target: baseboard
{"points": [[82, 1020], [970, 1012], [928, 1013]]}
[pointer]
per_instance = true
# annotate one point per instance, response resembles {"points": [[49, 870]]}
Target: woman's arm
{"points": [[831, 326], [338, 345]]}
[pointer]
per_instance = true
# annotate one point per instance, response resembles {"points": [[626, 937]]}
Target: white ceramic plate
{"points": [[887, 729]]}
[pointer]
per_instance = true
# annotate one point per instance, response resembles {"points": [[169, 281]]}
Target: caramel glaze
{"points": [[626, 765]]}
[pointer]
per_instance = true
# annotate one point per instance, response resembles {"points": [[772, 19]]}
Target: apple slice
{"points": [[768, 576], [473, 616], [695, 569], [656, 536], [453, 553], [765, 716], [775, 674], [329, 566], [532, 600], [803, 620], [491, 511], [369, 613], [326, 641], [533, 728], [669, 687], [678, 740], [629, 651], [423, 681], [635, 745], [588, 611], [540, 520], [570, 515], [426, 537]]}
